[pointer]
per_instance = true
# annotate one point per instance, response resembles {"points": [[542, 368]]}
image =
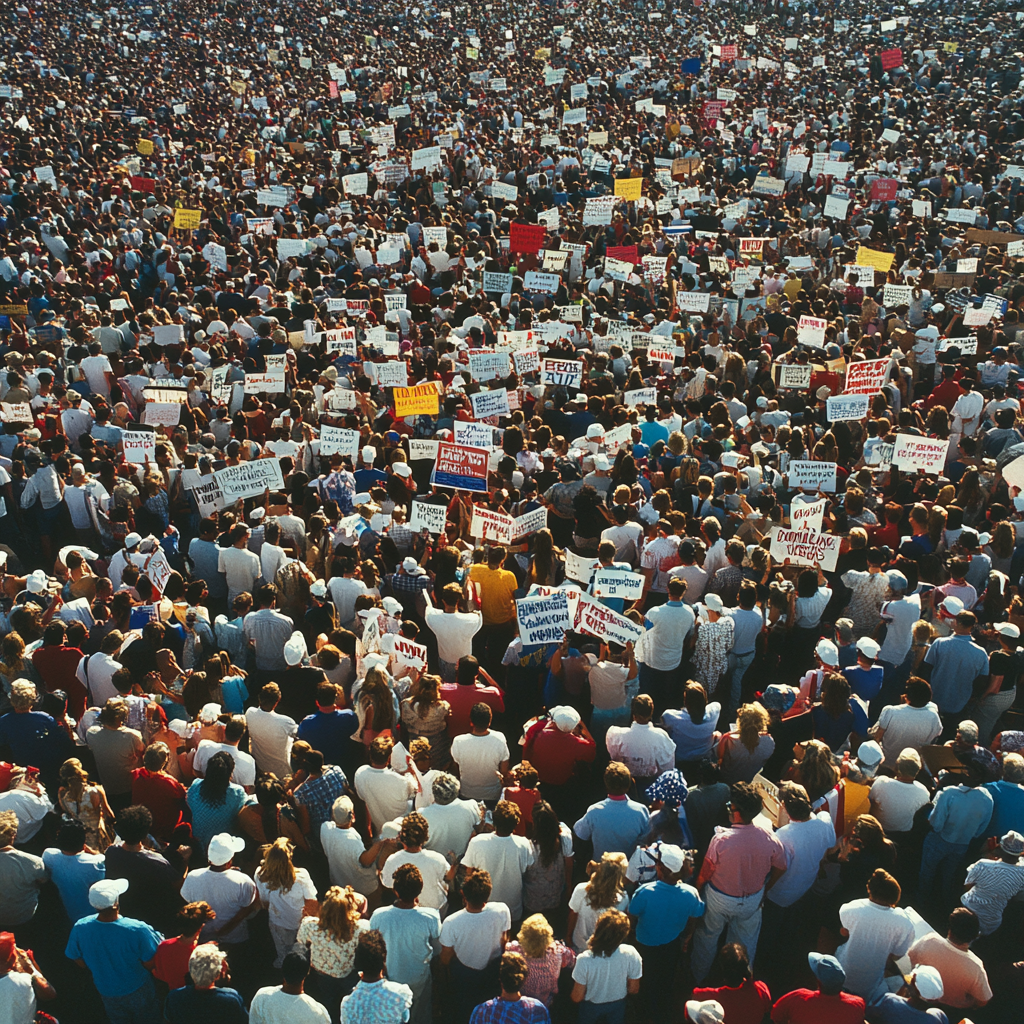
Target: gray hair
{"points": [[968, 731], [342, 810], [1013, 768], [206, 963]]}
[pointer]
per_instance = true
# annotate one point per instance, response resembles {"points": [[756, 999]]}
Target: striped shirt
{"points": [[995, 883]]}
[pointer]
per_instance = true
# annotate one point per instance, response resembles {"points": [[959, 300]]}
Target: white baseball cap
{"points": [[318, 589], [369, 453], [295, 649], [105, 893], [868, 647], [402, 469], [565, 717], [223, 847], [672, 857], [928, 983], [828, 652], [1007, 629], [37, 582], [209, 713]]}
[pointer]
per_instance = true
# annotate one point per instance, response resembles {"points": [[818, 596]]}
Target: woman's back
{"points": [[740, 764]]}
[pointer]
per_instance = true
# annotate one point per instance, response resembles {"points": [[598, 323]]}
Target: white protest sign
{"points": [[164, 414], [618, 583], [561, 373], [208, 495], [138, 446], [271, 382], [168, 334], [640, 396], [805, 547], [598, 620], [393, 374], [913, 453], [543, 620], [490, 403], [488, 525], [422, 448], [529, 522], [250, 479], [580, 567], [158, 569], [810, 330], [1013, 474], [808, 517], [527, 360], [812, 476], [408, 652], [338, 441], [967, 346], [847, 407], [428, 517], [494, 281], [486, 364], [894, 295], [477, 435], [794, 376]]}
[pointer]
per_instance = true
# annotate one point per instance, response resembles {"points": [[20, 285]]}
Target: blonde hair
{"points": [[606, 887], [752, 720], [73, 777], [277, 870], [536, 936], [8, 827], [23, 694], [340, 913]]}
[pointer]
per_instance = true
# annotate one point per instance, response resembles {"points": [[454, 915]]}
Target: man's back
{"points": [[386, 794], [272, 1005], [412, 937], [375, 1002], [614, 825], [270, 740]]}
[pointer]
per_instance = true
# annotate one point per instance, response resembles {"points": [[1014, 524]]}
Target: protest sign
{"points": [[162, 414], [866, 377], [526, 360], [812, 476], [158, 569], [891, 59], [630, 189], [422, 400], [408, 652], [339, 441], [462, 467], [487, 525], [250, 479], [805, 547], [580, 567], [535, 281], [168, 334], [640, 396], [808, 517], [810, 330], [894, 295], [393, 374], [187, 220], [422, 448], [529, 522], [487, 365], [847, 407], [794, 376], [966, 346], [543, 620], [271, 383], [912, 453], [208, 495], [879, 457], [428, 517], [526, 237], [494, 281], [615, 438], [20, 412], [561, 373], [476, 435], [139, 446], [618, 583], [598, 620], [490, 403], [1013, 474], [881, 261]]}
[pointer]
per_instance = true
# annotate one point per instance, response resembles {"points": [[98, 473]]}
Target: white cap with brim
{"points": [[928, 983], [672, 857], [37, 582], [295, 649], [952, 606], [707, 1012], [868, 647], [827, 652], [133, 540], [565, 717], [104, 894], [318, 589], [209, 713], [223, 847]]}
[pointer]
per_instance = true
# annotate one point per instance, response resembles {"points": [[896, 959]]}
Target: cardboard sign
{"points": [[804, 547], [580, 567], [630, 189], [158, 569], [812, 476], [393, 374], [561, 373], [428, 517], [810, 330], [847, 407], [162, 414], [408, 652], [250, 479], [20, 412], [793, 376], [138, 446], [490, 403], [168, 334], [913, 453], [422, 400], [461, 467], [488, 525], [867, 377], [488, 365], [187, 220], [640, 396], [543, 620], [339, 441], [618, 583], [598, 620], [530, 522], [808, 517]]}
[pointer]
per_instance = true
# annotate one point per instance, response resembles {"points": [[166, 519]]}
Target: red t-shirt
{"points": [[806, 1006], [525, 798], [163, 795], [57, 667], [554, 753], [170, 963], [462, 699], [750, 1002]]}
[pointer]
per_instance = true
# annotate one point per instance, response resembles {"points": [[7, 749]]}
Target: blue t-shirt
{"points": [[1009, 810], [663, 910], [329, 732], [412, 936], [233, 694], [864, 682], [614, 826], [891, 1009], [73, 876], [114, 951], [187, 1006]]}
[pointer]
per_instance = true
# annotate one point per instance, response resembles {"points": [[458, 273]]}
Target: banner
{"points": [[812, 476], [461, 467], [543, 620], [428, 517], [249, 479], [847, 407], [804, 547], [422, 400], [912, 453], [490, 403], [808, 517], [561, 373], [867, 377], [339, 441]]}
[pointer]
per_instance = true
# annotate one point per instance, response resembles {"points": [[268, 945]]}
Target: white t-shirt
{"points": [[451, 825], [95, 369], [805, 843], [454, 632], [587, 915], [17, 998], [907, 727], [644, 749], [876, 932], [286, 907], [241, 570], [898, 802], [476, 938], [245, 765], [343, 847], [270, 740], [433, 867], [227, 892], [663, 644], [272, 558], [901, 616], [95, 672], [272, 1006], [607, 977], [506, 858], [385, 792], [478, 758]]}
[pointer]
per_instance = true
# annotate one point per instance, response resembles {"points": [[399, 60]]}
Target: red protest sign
{"points": [[891, 59], [626, 253], [526, 237], [711, 112], [884, 189], [729, 52], [143, 184], [460, 466], [867, 377], [333, 89]]}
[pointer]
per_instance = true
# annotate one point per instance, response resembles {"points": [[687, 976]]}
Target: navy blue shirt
{"points": [[35, 739], [187, 1006], [329, 732]]}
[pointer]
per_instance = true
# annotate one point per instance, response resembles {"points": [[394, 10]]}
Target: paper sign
{"points": [[428, 517], [894, 295], [476, 435], [496, 282], [408, 652], [460, 466], [164, 414], [393, 374], [158, 569], [640, 396], [630, 189], [526, 237], [526, 361], [534, 281], [422, 400], [804, 547], [847, 407], [580, 567], [598, 620], [138, 446], [872, 258], [808, 517], [487, 525], [490, 403], [488, 365], [811, 331], [250, 479], [187, 220], [271, 383], [339, 441], [798, 377], [812, 476], [561, 373], [912, 453], [530, 522], [168, 334], [1013, 474], [618, 583], [21, 412], [543, 620], [867, 377]]}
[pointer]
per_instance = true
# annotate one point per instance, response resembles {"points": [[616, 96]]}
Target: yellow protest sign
{"points": [[629, 188], [871, 258], [949, 47], [422, 400], [472, 53], [145, 147], [188, 220]]}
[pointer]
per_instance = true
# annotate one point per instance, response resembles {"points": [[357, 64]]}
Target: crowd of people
{"points": [[511, 513]]}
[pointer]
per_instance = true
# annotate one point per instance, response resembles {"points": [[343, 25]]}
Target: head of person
{"points": [[507, 816], [963, 927], [476, 889], [744, 802], [193, 916], [536, 936], [277, 872], [610, 932], [206, 964], [829, 971], [796, 801], [295, 969], [734, 964], [883, 888], [918, 692], [414, 832], [270, 696], [480, 717], [70, 836], [752, 721], [340, 911], [343, 811], [467, 671], [617, 779], [371, 955], [407, 883], [512, 972], [134, 823]]}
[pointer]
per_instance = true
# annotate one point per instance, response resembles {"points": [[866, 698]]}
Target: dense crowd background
{"points": [[511, 513]]}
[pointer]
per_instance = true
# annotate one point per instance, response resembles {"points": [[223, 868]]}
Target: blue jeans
{"points": [[138, 1007], [939, 858], [602, 1013], [738, 665]]}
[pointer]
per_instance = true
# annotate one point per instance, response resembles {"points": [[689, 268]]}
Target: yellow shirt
{"points": [[496, 589]]}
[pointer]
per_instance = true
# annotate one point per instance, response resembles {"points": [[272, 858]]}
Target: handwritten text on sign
{"points": [[543, 620], [618, 583], [794, 376], [428, 517], [561, 373], [808, 517], [491, 526], [912, 453], [460, 466], [490, 403], [802, 547], [867, 377], [847, 407], [600, 621], [250, 479], [139, 446], [813, 476]]}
